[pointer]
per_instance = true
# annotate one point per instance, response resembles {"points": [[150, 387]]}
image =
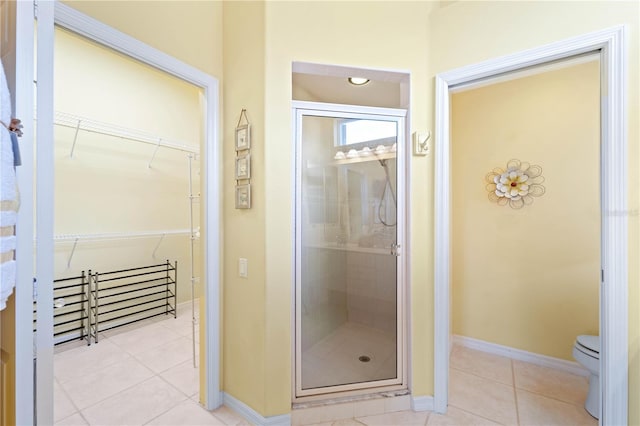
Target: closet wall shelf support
{"points": [[75, 139], [155, 151], [153, 255], [93, 126], [73, 250]]}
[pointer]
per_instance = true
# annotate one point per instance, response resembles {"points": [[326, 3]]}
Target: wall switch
{"points": [[421, 143], [243, 267]]}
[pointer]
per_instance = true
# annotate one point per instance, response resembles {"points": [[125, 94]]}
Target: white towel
{"points": [[8, 197]]}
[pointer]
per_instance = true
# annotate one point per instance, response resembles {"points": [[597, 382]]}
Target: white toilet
{"points": [[587, 352]]}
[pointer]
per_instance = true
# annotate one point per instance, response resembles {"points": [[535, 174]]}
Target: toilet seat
{"points": [[589, 345]]}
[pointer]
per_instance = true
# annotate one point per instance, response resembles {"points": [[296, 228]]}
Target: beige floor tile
{"points": [[184, 377], [482, 364], [457, 417], [62, 405], [187, 413], [228, 416], [168, 355], [555, 384], [145, 338], [346, 422], [94, 387], [136, 405], [398, 418], [74, 420], [80, 361], [181, 325], [483, 397], [539, 410]]}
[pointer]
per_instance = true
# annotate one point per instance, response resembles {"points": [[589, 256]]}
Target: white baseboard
{"points": [[253, 416], [520, 355], [422, 403]]}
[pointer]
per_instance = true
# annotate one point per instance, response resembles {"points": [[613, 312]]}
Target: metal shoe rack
{"points": [[91, 303]]}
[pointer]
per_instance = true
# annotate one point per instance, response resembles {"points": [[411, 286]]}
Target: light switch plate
{"points": [[243, 268]]}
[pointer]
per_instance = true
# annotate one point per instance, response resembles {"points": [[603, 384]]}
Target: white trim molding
{"points": [[253, 416], [611, 44], [520, 355], [86, 26]]}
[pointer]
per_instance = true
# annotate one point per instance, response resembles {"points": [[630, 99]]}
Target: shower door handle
{"points": [[395, 249]]}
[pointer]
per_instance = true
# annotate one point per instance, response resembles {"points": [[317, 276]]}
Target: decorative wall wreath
{"points": [[516, 185]]}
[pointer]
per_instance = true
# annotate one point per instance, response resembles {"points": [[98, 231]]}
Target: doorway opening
{"points": [[525, 259], [126, 224], [613, 325], [43, 183]]}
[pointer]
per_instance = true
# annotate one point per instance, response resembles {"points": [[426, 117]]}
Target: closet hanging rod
{"points": [[80, 123], [119, 236]]}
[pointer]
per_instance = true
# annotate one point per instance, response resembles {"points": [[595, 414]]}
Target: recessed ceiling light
{"points": [[358, 81]]}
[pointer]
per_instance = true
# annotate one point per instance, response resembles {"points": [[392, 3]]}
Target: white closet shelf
{"points": [[120, 235], [93, 126]]}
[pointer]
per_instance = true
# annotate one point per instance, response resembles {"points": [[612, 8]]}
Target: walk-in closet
{"points": [[127, 228]]}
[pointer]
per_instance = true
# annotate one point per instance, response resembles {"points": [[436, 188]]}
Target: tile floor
{"points": [[143, 374], [140, 374], [334, 360], [487, 389]]}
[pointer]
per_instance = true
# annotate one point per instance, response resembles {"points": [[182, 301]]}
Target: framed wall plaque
{"points": [[243, 196]]}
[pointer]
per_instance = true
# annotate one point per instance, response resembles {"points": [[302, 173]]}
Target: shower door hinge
{"points": [[602, 276], [395, 249], [35, 9]]}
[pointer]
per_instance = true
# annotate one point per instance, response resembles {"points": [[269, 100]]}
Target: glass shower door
{"points": [[349, 199]]}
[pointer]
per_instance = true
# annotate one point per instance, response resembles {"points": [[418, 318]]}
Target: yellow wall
{"points": [[457, 37], [245, 324], [388, 35], [528, 278]]}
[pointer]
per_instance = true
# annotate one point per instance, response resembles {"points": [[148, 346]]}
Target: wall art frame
{"points": [[243, 196], [243, 167]]}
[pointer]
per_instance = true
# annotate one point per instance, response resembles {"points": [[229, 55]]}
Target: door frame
{"points": [[399, 115], [611, 44], [50, 13]]}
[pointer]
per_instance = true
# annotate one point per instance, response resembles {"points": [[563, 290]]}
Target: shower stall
{"points": [[350, 328]]}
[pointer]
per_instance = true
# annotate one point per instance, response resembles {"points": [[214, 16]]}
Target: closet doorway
{"points": [[127, 250]]}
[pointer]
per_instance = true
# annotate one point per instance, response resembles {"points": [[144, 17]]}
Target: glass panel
{"points": [[348, 289]]}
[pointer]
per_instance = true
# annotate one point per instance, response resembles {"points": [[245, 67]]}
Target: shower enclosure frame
{"points": [[329, 110]]}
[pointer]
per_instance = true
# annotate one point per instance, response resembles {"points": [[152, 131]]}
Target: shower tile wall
{"points": [[371, 290], [324, 301], [346, 286]]}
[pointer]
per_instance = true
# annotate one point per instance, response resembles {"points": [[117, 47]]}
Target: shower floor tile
{"points": [[353, 353]]}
